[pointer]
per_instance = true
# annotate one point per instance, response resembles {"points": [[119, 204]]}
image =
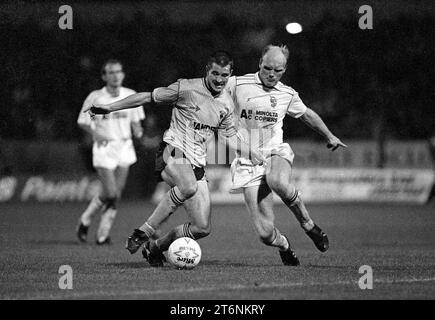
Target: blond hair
{"points": [[282, 47]]}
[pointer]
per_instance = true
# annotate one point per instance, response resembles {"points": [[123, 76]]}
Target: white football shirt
{"points": [[115, 125], [259, 111]]}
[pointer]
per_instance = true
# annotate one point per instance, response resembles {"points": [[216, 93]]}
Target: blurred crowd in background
{"points": [[374, 88], [366, 84]]}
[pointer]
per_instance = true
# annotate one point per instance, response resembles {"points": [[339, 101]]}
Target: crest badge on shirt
{"points": [[194, 108], [273, 101]]}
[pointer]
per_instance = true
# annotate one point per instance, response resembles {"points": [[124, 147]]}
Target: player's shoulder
{"points": [[285, 88], [248, 78], [127, 91], [192, 81], [191, 84], [96, 93]]}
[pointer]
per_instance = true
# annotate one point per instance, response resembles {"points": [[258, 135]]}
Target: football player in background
{"points": [[112, 152], [201, 107], [261, 103]]}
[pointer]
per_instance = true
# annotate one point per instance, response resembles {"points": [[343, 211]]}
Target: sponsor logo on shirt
{"points": [[201, 126], [259, 115]]}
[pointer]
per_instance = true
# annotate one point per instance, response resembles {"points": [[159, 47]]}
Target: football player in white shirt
{"points": [[261, 103], [201, 107], [113, 151]]}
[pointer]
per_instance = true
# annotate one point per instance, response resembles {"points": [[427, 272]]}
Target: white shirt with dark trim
{"points": [[116, 125], [196, 115], [259, 110]]}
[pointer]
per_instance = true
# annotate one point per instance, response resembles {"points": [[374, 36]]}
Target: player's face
{"points": [[217, 76], [114, 75], [272, 67]]}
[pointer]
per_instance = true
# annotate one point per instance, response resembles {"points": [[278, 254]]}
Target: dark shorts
{"points": [[166, 150]]}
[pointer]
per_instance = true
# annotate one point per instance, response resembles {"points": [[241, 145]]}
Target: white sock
{"points": [[106, 223], [169, 203], [280, 241], [94, 207], [149, 231], [307, 226]]}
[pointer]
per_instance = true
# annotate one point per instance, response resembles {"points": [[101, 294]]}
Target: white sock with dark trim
{"points": [[94, 207], [307, 226], [106, 224], [280, 241], [149, 231], [167, 205]]}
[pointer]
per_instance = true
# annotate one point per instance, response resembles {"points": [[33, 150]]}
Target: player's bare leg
{"points": [[180, 173], [120, 175], [278, 177], [184, 185], [109, 196], [259, 201], [85, 220], [99, 202], [198, 209]]}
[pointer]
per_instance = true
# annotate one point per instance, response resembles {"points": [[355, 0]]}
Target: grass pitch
{"points": [[397, 241]]}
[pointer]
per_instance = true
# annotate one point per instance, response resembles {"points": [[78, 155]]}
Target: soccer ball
{"points": [[184, 253]]}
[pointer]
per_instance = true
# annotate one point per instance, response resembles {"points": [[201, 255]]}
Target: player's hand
{"points": [[334, 143], [138, 134], [95, 109], [137, 130]]}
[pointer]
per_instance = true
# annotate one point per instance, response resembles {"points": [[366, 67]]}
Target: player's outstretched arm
{"points": [[133, 101], [312, 119]]}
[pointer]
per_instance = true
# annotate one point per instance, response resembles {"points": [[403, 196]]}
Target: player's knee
{"points": [[110, 192], [188, 190], [281, 186], [275, 182]]}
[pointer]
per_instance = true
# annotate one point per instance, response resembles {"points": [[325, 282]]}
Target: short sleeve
{"points": [[168, 94], [84, 118], [296, 107]]}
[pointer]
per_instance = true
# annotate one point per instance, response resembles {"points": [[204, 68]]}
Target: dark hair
{"points": [[110, 61], [221, 58]]}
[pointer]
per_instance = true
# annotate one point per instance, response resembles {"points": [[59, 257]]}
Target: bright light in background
{"points": [[293, 28]]}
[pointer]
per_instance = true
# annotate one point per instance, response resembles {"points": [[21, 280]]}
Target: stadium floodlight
{"points": [[293, 28]]}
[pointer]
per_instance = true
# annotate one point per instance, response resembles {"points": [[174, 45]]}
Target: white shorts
{"points": [[113, 154], [244, 174]]}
